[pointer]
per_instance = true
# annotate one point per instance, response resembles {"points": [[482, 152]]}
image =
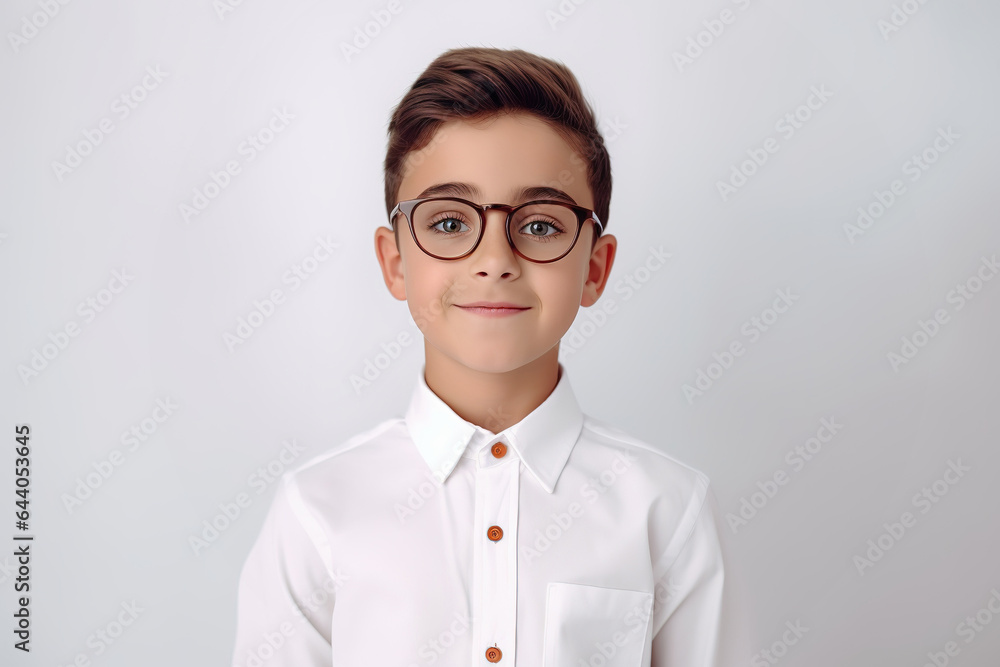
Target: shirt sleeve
{"points": [[286, 590], [690, 595]]}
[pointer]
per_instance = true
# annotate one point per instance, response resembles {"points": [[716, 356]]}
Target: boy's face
{"points": [[493, 160]]}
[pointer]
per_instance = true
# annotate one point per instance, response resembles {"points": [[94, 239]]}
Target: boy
{"points": [[495, 523]]}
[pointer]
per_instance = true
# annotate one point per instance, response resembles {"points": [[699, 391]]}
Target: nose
{"points": [[494, 256]]}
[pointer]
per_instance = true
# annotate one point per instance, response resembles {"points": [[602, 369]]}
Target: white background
{"points": [[675, 129]]}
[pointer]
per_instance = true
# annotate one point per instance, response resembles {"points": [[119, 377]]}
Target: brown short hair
{"points": [[476, 83]]}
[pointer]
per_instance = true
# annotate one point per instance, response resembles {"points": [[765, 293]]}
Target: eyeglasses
{"points": [[540, 231]]}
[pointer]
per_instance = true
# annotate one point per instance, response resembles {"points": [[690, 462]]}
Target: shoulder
{"points": [[328, 484], [351, 457], [656, 468], [675, 495]]}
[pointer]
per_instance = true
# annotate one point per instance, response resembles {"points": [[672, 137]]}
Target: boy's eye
{"points": [[449, 226], [539, 229]]}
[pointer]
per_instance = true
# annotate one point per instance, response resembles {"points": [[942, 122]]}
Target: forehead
{"points": [[497, 158]]}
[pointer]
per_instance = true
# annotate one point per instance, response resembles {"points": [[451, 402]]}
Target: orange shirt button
{"points": [[498, 450], [493, 654], [494, 533]]}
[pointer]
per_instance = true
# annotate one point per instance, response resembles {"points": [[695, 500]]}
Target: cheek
{"points": [[424, 281], [561, 296], [418, 288]]}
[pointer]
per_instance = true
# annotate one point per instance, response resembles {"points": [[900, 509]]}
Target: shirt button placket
{"points": [[496, 557]]}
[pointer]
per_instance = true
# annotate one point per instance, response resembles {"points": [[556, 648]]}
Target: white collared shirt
{"points": [[423, 542]]}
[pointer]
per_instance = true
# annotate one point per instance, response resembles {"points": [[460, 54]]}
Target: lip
{"points": [[491, 304], [492, 308]]}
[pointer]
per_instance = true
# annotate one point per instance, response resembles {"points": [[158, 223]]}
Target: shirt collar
{"points": [[542, 440]]}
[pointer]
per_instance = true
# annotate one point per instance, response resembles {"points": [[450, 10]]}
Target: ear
{"points": [[602, 258], [391, 262]]}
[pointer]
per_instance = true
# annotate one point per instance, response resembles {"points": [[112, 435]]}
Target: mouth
{"points": [[492, 308]]}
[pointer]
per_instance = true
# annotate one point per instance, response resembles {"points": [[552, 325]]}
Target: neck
{"points": [[493, 401]]}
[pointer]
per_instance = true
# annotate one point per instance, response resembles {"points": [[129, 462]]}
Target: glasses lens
{"points": [[445, 228], [543, 231], [448, 229]]}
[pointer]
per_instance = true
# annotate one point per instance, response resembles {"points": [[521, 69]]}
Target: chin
{"points": [[491, 362], [494, 364]]}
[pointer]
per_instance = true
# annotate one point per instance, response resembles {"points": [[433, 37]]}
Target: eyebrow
{"points": [[517, 195]]}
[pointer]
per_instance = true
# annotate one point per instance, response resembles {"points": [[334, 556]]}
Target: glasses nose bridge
{"points": [[506, 209]]}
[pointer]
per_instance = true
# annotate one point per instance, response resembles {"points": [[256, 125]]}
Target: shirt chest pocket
{"points": [[593, 625]]}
